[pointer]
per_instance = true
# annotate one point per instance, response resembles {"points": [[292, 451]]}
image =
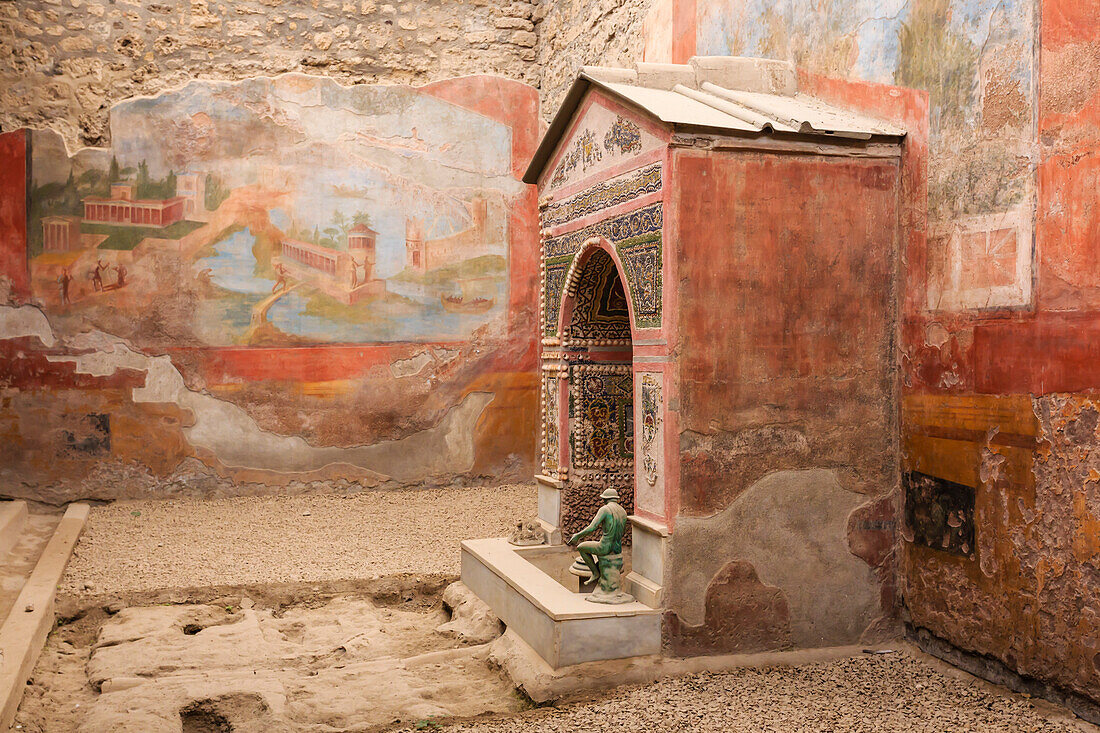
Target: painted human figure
{"points": [[120, 271], [611, 518], [97, 275], [63, 281], [280, 284], [354, 274]]}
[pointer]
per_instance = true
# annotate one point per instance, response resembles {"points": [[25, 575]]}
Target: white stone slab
{"points": [[561, 626]]}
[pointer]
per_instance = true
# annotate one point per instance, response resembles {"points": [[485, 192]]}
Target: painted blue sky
{"points": [[873, 23]]}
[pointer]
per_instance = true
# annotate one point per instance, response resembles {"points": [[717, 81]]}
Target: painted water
{"points": [[409, 312]]}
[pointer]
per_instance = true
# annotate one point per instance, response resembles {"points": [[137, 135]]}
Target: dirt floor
{"points": [[322, 613], [17, 566], [192, 543], [903, 692]]}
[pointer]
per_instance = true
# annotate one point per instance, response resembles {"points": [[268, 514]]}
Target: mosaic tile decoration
{"points": [[550, 423], [584, 153], [600, 311], [637, 239], [556, 272], [651, 420], [624, 136], [604, 195], [641, 258], [602, 402], [646, 220]]}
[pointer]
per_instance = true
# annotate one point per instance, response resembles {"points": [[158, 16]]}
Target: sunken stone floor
{"points": [[322, 613]]}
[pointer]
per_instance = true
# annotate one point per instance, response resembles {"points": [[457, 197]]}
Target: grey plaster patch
{"points": [[412, 366], [23, 321], [792, 527]]}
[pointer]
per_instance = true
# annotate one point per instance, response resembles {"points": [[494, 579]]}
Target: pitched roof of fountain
{"points": [[721, 94]]}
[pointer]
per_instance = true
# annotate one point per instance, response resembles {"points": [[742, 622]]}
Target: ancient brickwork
{"points": [[63, 64], [575, 33]]}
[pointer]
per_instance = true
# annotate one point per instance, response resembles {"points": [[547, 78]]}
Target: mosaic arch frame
{"points": [[573, 280]]}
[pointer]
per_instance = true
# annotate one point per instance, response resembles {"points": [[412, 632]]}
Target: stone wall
{"points": [[63, 63], [575, 33]]}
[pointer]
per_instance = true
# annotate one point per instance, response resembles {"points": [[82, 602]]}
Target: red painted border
{"points": [[14, 190], [685, 25]]}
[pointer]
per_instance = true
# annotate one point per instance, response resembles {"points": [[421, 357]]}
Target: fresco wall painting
{"points": [[1000, 305], [976, 60], [293, 243]]}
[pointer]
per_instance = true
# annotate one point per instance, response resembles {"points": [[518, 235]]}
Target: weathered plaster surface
{"points": [[977, 60], [1027, 597], [576, 33], [743, 615], [791, 526], [787, 388], [64, 65], [225, 433], [22, 321]]}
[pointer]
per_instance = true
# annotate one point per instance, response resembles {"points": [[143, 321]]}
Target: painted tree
{"points": [[937, 58]]}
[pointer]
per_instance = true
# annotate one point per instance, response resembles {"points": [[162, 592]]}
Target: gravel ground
{"points": [[182, 543], [891, 692]]}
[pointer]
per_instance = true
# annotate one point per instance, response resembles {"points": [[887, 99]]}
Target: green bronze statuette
{"points": [[602, 561]]}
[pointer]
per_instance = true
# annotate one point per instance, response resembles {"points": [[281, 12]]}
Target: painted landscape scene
{"points": [[278, 211]]}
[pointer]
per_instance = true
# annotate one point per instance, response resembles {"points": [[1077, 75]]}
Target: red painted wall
{"points": [[1002, 400], [787, 310], [13, 211]]}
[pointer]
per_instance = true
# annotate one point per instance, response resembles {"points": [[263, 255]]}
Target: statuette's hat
{"points": [[609, 494]]}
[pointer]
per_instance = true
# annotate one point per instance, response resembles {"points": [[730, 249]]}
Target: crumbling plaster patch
{"points": [[232, 436], [18, 322], [412, 366], [792, 527]]}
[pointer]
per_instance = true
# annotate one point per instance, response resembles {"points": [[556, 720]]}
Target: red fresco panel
{"points": [[13, 211], [1047, 354], [684, 27], [907, 108]]}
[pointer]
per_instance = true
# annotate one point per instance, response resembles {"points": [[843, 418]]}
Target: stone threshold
{"points": [[24, 632]]}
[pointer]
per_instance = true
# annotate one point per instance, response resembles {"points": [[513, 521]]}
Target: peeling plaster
{"points": [[412, 366], [792, 527], [234, 438], [18, 322]]}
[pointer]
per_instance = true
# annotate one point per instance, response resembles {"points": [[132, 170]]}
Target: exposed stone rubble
{"points": [[576, 33], [63, 65], [472, 621]]}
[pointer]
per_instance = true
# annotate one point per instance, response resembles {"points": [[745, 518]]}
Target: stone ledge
{"points": [[24, 632], [560, 626]]}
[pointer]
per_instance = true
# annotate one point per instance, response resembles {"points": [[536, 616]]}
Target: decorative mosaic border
{"points": [[637, 239], [646, 220], [604, 195]]}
